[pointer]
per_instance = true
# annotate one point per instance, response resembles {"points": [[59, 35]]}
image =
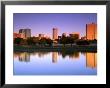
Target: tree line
{"points": [[48, 42]]}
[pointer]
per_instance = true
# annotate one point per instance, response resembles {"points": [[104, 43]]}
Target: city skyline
{"points": [[42, 23]]}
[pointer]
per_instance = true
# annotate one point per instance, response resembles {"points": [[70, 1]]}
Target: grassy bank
{"points": [[81, 48]]}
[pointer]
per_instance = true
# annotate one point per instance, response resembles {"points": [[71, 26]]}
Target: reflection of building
{"points": [[91, 31], [54, 57], [55, 33], [24, 57], [18, 35], [91, 60], [74, 35], [26, 32]]}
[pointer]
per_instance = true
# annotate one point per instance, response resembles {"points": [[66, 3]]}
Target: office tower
{"points": [[74, 35], [26, 32], [91, 60], [91, 31], [55, 33]]}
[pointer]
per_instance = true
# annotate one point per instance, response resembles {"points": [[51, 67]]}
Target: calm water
{"points": [[55, 63]]}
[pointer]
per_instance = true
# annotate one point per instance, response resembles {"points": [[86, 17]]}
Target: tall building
{"points": [[91, 31], [26, 32], [55, 33]]}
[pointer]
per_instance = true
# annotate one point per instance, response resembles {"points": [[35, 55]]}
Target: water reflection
{"points": [[55, 63], [91, 58], [72, 55], [54, 57], [23, 57]]}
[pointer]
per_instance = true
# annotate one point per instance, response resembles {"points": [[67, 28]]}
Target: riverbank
{"points": [[81, 48]]}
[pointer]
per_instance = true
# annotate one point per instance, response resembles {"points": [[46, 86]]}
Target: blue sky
{"points": [[45, 22]]}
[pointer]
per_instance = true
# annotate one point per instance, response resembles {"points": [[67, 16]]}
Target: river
{"points": [[55, 63]]}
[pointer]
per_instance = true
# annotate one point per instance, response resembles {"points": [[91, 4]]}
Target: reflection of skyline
{"points": [[91, 58]]}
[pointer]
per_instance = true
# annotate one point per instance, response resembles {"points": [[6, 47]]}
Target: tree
{"points": [[76, 37], [35, 40], [63, 41], [49, 41], [31, 41], [18, 40], [23, 42], [42, 41], [70, 40]]}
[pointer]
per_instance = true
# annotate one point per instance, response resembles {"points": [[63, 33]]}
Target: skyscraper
{"points": [[55, 33], [91, 31], [26, 32]]}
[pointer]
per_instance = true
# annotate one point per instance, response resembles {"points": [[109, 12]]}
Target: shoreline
{"points": [[76, 48]]}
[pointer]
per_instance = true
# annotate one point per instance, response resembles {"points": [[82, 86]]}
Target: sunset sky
{"points": [[44, 22]]}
